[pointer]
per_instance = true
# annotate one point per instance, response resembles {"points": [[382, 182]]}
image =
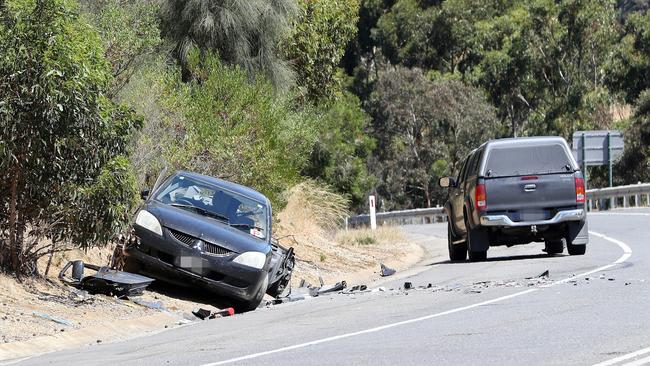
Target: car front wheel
{"points": [[254, 303]]}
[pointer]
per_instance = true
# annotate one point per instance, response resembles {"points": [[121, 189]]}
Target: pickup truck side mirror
{"points": [[446, 182], [144, 194]]}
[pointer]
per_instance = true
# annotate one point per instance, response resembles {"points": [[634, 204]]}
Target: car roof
{"points": [[230, 186]]}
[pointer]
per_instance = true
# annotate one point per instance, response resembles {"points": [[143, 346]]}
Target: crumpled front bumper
{"points": [[560, 217], [167, 260]]}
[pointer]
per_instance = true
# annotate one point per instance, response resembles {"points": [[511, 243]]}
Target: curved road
{"points": [[591, 309]]}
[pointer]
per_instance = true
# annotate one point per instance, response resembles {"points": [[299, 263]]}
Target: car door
{"points": [[456, 197]]}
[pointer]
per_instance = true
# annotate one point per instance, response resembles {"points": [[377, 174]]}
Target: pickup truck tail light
{"points": [[481, 197], [580, 190]]}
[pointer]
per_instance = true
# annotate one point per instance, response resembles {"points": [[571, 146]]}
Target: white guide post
{"points": [[373, 213]]}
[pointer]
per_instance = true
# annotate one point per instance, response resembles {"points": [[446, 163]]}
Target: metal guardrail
{"points": [[405, 217], [635, 195]]}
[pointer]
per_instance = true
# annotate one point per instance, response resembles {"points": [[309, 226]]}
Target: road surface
{"points": [[591, 309]]}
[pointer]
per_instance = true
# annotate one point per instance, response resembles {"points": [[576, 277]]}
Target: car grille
{"points": [[182, 237], [207, 247], [215, 249]]}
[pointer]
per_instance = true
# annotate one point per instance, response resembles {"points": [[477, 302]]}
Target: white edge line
{"points": [[624, 357], [643, 361], [627, 252], [620, 213]]}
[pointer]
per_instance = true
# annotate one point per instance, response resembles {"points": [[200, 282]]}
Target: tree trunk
{"points": [[49, 260], [427, 197], [13, 223]]}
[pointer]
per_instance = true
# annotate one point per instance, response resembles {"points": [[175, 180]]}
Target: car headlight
{"points": [[251, 259], [148, 221]]}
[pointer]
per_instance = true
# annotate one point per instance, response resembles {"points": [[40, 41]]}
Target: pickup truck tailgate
{"points": [[529, 198]]}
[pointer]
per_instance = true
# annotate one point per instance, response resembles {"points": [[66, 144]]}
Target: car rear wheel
{"points": [[457, 252], [554, 246], [477, 243]]}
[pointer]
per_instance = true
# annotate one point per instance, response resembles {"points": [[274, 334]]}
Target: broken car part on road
{"points": [[106, 281]]}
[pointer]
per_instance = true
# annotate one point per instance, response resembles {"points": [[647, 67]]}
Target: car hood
{"points": [[206, 228]]}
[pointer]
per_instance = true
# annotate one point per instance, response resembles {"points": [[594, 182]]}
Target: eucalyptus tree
{"points": [[62, 141], [240, 32]]}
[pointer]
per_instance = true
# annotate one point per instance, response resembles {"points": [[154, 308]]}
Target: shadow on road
{"points": [[503, 258], [190, 294]]}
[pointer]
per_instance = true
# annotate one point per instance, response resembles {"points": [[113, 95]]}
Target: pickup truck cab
{"points": [[516, 191]]}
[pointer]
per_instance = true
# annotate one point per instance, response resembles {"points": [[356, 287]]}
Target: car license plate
{"points": [[532, 216]]}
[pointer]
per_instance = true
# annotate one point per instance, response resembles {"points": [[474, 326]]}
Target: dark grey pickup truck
{"points": [[516, 191]]}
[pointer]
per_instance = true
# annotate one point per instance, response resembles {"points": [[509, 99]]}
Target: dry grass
{"points": [[311, 223]]}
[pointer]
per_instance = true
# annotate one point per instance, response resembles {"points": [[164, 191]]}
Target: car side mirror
{"points": [[446, 182], [144, 194]]}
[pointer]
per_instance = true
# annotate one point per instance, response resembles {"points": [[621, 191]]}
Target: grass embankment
{"points": [[311, 223]]}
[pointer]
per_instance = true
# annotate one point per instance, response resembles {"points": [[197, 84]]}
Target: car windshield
{"points": [[524, 160], [220, 204]]}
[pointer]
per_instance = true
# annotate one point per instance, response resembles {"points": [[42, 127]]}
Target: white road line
{"points": [[620, 213], [639, 362], [624, 357], [627, 252]]}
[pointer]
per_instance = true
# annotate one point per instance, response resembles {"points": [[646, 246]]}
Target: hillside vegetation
{"points": [[363, 96]]}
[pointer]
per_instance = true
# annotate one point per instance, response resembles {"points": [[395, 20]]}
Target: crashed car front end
{"points": [[199, 231], [182, 259]]}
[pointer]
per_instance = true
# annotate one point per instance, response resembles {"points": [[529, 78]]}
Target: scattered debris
{"points": [[106, 281], [408, 285], [544, 274], [288, 298], [379, 289], [208, 314], [386, 271], [339, 286], [51, 318], [156, 305]]}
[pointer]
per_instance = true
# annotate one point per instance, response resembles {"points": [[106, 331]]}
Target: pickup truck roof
{"points": [[540, 154]]}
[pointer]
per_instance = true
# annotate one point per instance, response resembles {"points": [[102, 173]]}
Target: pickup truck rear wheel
{"points": [[478, 242], [457, 252], [576, 249]]}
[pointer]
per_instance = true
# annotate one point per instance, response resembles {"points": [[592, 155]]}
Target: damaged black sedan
{"points": [[209, 233]]}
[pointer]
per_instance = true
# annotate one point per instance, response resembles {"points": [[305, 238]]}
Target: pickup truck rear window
{"points": [[526, 160]]}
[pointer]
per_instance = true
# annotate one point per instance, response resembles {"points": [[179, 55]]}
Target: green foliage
{"points": [[630, 69], [57, 129], [129, 32], [422, 128], [242, 32], [238, 129], [320, 34], [635, 165], [340, 155]]}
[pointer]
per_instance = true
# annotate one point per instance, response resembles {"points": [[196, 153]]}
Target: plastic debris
{"points": [[209, 314], [408, 285], [386, 271], [544, 274], [51, 318], [339, 286], [106, 281]]}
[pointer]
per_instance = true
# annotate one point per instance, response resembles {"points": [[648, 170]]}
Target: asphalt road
{"points": [[591, 309]]}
